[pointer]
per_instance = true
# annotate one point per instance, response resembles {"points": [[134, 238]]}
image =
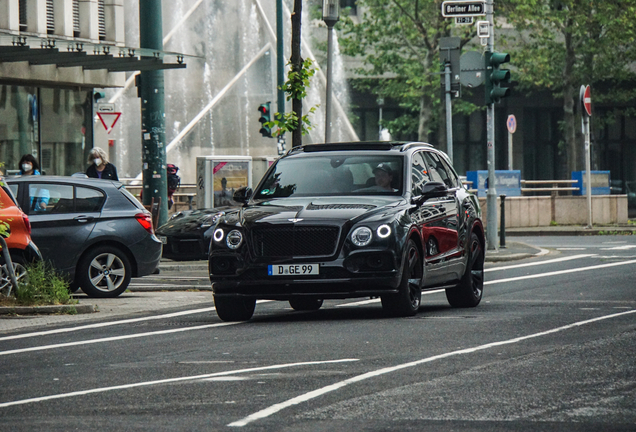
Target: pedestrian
{"points": [[100, 167], [29, 165]]}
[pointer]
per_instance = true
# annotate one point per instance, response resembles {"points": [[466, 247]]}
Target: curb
{"points": [[183, 267], [48, 310]]}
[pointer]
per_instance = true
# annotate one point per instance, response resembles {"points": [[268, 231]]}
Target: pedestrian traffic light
{"points": [[496, 76], [266, 117], [98, 95]]}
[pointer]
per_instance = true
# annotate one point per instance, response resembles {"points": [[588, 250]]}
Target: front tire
{"points": [[305, 304], [234, 308], [19, 268], [407, 301], [104, 272], [469, 291]]}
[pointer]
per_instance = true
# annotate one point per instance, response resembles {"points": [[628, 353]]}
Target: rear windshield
{"points": [[334, 175], [132, 198]]}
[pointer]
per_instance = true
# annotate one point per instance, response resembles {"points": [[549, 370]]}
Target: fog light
{"points": [[218, 234], [383, 231]]}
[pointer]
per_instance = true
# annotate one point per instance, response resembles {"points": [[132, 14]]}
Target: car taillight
{"points": [[145, 220], [25, 218]]}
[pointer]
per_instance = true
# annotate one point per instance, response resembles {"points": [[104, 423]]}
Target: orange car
{"points": [[16, 224]]}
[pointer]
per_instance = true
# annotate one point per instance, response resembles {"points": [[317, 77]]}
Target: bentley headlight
{"points": [[361, 236], [383, 231], [234, 239], [218, 234]]}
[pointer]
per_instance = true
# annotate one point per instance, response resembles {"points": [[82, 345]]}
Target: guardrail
{"points": [[551, 186], [184, 198]]}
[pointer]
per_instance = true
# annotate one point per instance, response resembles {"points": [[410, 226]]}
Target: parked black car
{"points": [[93, 230], [187, 235], [332, 221]]}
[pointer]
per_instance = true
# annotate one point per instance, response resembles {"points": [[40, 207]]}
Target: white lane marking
{"points": [[377, 300], [112, 338], [560, 272], [626, 247], [169, 380], [112, 323], [570, 249], [552, 261], [330, 388]]}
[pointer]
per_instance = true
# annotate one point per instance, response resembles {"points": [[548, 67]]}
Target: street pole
{"points": [[330, 15], [329, 81], [153, 112], [491, 195], [510, 150], [588, 170], [380, 107], [449, 112], [280, 67]]}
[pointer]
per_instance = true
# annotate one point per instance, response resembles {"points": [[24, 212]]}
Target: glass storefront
{"points": [[52, 124]]}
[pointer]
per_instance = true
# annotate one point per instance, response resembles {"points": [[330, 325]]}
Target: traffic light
{"points": [[266, 117], [98, 95], [496, 76]]}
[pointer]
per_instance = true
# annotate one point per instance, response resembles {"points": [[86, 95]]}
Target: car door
{"points": [[443, 262], [62, 217]]}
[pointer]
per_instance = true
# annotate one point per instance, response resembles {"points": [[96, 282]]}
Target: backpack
{"points": [[173, 179]]}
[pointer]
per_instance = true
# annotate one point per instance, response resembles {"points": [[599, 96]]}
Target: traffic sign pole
{"points": [[586, 104], [491, 194], [511, 124]]}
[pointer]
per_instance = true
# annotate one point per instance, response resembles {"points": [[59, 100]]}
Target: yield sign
{"points": [[104, 117]]}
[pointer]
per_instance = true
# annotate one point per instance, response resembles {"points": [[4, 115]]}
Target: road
{"points": [[551, 348]]}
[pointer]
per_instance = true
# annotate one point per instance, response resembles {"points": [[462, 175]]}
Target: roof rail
{"points": [[416, 144], [358, 145]]}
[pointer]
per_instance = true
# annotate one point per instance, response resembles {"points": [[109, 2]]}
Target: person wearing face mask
{"points": [[29, 165], [100, 167]]}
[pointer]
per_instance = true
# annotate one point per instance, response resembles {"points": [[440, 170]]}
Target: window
{"points": [[419, 174], [437, 170], [101, 19], [88, 200], [50, 17], [49, 198]]}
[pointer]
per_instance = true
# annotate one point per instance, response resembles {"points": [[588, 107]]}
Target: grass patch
{"points": [[43, 286]]}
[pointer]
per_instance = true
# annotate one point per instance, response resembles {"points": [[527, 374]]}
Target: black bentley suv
{"points": [[334, 221]]}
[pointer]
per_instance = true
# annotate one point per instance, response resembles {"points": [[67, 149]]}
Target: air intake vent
{"points": [[50, 17], [101, 19], [76, 18]]}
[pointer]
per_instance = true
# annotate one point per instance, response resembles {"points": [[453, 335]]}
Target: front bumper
{"points": [[354, 276]]}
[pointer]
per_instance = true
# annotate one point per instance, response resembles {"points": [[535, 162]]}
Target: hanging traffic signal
{"points": [[496, 76], [266, 117]]}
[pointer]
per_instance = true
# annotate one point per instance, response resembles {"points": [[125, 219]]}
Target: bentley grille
{"points": [[295, 241]]}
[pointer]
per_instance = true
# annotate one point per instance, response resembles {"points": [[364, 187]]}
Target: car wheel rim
{"points": [[413, 264], [477, 268], [20, 274], [107, 272]]}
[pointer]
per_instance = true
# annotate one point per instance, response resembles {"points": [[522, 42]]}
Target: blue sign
{"points": [[600, 182], [507, 182]]}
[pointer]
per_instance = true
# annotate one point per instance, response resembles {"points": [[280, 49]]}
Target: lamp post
{"points": [[330, 12]]}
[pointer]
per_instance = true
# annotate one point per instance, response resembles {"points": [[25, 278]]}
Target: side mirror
{"points": [[431, 190], [242, 195]]}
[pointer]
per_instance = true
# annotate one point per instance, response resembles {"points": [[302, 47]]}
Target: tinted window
{"points": [[419, 174], [437, 170], [50, 198], [333, 175], [88, 200]]}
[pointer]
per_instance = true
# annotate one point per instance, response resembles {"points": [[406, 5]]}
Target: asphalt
{"points": [[142, 302]]}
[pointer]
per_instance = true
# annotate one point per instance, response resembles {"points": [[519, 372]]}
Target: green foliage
{"points": [[398, 44], [43, 286], [296, 88]]}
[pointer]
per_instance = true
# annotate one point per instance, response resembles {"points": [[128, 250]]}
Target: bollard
{"points": [[502, 228]]}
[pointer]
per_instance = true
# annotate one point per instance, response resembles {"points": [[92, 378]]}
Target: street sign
{"points": [[511, 124], [483, 29], [451, 9], [111, 118], [586, 99], [106, 108], [463, 20], [471, 64]]}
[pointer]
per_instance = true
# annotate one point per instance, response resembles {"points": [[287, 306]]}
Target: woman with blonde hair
{"points": [[100, 167]]}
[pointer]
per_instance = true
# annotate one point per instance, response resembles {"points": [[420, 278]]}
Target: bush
{"points": [[43, 286]]}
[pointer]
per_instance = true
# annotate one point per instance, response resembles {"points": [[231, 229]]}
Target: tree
{"points": [[561, 45], [398, 42]]}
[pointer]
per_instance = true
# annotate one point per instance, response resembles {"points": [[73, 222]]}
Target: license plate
{"points": [[293, 270], [163, 239]]}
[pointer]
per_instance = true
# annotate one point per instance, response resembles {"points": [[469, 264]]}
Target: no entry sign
{"points": [[586, 99]]}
